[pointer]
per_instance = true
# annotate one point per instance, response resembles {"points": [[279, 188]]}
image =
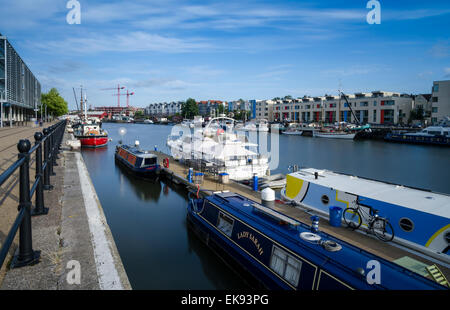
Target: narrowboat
{"points": [[139, 161], [420, 218], [282, 253], [437, 135]]}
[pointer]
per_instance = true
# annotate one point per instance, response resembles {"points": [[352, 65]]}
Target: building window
{"points": [[285, 265], [374, 103], [434, 109], [363, 104], [225, 224], [435, 88], [374, 116], [435, 99]]}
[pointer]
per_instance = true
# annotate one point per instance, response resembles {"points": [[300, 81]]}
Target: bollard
{"points": [[255, 182], [47, 185], [190, 173], [26, 254], [39, 208], [268, 197]]}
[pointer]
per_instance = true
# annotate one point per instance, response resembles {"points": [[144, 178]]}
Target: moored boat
{"points": [[91, 135], [420, 218], [282, 253], [437, 135], [139, 161], [334, 134]]}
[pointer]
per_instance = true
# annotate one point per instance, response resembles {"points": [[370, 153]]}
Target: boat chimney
{"points": [[316, 175], [268, 197], [314, 223], [136, 143]]}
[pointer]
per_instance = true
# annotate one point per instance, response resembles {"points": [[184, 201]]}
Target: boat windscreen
{"points": [[149, 161]]}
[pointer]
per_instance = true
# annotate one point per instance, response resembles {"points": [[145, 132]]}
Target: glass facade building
{"points": [[20, 91]]}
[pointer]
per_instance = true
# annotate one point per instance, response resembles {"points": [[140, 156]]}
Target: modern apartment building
{"points": [[440, 101], [20, 91], [377, 107], [210, 107], [164, 108]]}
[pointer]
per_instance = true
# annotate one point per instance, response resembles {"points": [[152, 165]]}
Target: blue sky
{"points": [[174, 49]]}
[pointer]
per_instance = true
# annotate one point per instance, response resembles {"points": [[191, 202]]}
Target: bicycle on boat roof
{"points": [[377, 225]]}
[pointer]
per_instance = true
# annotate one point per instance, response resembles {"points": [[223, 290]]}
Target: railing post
{"points": [[26, 254], [47, 185], [50, 150], [39, 208]]}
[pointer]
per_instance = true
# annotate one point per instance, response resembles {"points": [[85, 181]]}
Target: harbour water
{"points": [[148, 219]]}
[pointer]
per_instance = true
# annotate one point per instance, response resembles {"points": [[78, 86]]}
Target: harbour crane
{"points": [[118, 88], [128, 94]]}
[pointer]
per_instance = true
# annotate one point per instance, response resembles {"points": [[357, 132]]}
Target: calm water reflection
{"points": [[148, 218], [148, 221]]}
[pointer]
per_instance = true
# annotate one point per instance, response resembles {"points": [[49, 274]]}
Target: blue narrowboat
{"points": [[283, 253], [138, 161]]}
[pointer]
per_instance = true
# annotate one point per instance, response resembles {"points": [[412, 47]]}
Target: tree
{"points": [[189, 109], [220, 109], [138, 114], [56, 105]]}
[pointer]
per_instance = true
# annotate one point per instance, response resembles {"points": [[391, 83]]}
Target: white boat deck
{"points": [[421, 200]]}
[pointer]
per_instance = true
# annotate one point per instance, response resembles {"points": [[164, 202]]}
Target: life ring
{"points": [[166, 162], [309, 236], [92, 132]]}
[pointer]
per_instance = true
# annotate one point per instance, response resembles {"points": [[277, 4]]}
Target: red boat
{"points": [[91, 135]]}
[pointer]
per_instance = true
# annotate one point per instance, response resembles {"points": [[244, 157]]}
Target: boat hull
{"points": [[402, 138], [293, 133], [346, 136], [93, 141]]}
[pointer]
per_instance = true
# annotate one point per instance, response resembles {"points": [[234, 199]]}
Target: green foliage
{"points": [[56, 105], [240, 115], [416, 114], [189, 109], [138, 114], [220, 109]]}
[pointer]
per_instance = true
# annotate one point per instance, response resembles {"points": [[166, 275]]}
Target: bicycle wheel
{"points": [[383, 230], [352, 218]]}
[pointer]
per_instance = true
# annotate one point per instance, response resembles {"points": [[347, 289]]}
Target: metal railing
{"points": [[46, 146]]}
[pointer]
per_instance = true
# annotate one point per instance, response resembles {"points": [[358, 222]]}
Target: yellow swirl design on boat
{"points": [[440, 231]]}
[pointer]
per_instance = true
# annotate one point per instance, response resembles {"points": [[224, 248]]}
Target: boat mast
{"points": [[339, 106], [85, 107], [81, 102]]}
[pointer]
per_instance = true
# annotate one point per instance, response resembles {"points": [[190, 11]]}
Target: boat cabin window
{"points": [[434, 132], [149, 161], [285, 265], [225, 224]]}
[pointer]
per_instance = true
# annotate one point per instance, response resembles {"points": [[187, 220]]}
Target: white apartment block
{"points": [[377, 107], [440, 101], [164, 109], [264, 109]]}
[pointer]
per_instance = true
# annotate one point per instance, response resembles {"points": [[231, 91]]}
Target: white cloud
{"points": [[131, 42]]}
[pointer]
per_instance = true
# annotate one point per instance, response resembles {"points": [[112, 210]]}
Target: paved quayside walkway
{"points": [[73, 236]]}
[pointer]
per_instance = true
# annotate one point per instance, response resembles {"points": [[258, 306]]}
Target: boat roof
{"points": [[138, 152], [418, 199]]}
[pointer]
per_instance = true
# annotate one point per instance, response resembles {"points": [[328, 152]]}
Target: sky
{"points": [[172, 50]]}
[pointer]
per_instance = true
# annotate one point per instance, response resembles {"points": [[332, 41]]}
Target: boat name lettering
{"points": [[248, 235]]}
